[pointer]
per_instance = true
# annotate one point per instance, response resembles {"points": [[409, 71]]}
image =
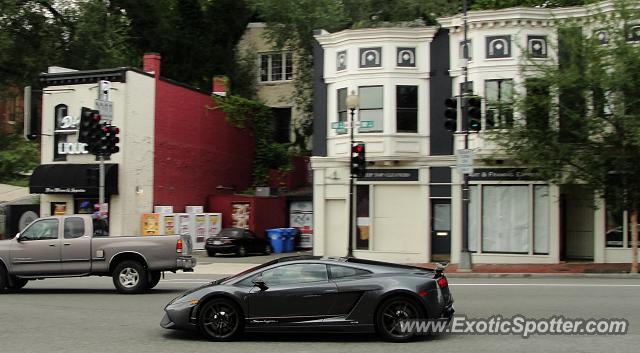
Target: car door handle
{"points": [[66, 244], [53, 245], [330, 291]]}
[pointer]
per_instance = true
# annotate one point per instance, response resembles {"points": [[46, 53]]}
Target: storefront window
{"points": [[86, 206], [505, 221], [618, 222], [363, 220], [507, 225]]}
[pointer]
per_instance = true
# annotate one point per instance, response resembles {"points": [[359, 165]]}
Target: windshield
{"points": [[241, 274], [231, 233]]}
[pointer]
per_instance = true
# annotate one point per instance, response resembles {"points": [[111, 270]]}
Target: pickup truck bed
{"points": [[65, 246]]}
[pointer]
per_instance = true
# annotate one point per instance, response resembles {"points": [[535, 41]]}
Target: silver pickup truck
{"points": [[77, 245]]}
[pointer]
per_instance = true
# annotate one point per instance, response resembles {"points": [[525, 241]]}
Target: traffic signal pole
{"points": [[350, 244], [465, 256]]}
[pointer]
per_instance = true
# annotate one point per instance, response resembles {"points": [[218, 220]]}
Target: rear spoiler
{"points": [[438, 270]]}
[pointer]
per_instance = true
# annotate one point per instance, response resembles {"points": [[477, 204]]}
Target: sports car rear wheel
{"points": [[390, 316], [220, 320]]}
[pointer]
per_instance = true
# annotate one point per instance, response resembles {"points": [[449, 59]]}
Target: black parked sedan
{"points": [[306, 293], [236, 241]]}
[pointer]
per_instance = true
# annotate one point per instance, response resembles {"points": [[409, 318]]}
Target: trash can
{"points": [[276, 237], [290, 239]]}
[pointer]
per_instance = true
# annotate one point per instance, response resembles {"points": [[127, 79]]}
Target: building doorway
{"points": [[440, 229], [576, 223]]}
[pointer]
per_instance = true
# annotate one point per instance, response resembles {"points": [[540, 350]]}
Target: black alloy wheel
{"points": [[242, 251], [220, 320], [391, 314]]}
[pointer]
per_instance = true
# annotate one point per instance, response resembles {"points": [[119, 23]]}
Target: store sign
{"points": [[504, 174], [72, 148], [67, 123], [390, 175], [64, 190]]}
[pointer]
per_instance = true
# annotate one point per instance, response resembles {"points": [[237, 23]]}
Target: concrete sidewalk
{"points": [[230, 264]]}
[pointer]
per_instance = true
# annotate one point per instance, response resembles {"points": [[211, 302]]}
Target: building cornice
{"points": [[524, 16], [414, 34]]}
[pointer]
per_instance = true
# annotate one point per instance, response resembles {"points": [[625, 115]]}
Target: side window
{"points": [[343, 271], [100, 228], [73, 228], [298, 273], [41, 230]]}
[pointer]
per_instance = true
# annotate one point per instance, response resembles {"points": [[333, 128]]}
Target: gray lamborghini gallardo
{"points": [[307, 293]]}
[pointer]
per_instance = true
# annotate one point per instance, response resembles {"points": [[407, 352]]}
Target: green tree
{"points": [[17, 156], [581, 118]]}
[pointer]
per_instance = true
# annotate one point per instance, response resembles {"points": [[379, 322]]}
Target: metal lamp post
{"points": [[352, 103]]}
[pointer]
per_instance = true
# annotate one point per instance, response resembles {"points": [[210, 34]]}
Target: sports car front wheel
{"points": [[391, 315], [220, 320]]}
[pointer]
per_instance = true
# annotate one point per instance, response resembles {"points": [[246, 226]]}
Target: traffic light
{"points": [[112, 139], [89, 124], [474, 113], [358, 160], [451, 114]]}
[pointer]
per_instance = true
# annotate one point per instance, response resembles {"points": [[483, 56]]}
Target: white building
{"points": [[408, 207]]}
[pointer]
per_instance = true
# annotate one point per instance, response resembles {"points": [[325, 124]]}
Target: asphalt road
{"points": [[87, 315]]}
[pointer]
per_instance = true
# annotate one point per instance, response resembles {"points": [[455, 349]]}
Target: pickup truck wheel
{"points": [[18, 283], [154, 279], [3, 279], [130, 277]]}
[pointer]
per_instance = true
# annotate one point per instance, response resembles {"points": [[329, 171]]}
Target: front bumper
{"points": [[222, 249], [186, 263], [177, 317]]}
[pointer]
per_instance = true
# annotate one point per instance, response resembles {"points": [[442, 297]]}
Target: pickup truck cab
{"points": [[77, 245]]}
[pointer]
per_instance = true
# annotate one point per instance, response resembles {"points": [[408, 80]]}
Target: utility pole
{"points": [[465, 256]]}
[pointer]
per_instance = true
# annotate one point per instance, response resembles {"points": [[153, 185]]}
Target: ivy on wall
{"points": [[250, 114]]}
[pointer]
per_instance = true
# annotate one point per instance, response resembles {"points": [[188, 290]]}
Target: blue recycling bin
{"points": [[277, 238], [290, 239]]}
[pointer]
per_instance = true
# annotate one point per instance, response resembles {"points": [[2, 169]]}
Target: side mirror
{"points": [[17, 237], [260, 283]]}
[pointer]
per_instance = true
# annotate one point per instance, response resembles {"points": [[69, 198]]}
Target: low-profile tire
{"points": [[220, 319], [267, 249], [17, 283], [389, 315], [130, 277], [4, 279], [154, 279], [242, 251], [211, 253]]}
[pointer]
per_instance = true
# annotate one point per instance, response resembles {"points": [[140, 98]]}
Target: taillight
{"points": [[442, 282], [179, 246]]}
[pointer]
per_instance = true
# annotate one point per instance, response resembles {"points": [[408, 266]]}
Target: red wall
{"points": [[265, 212], [195, 149]]}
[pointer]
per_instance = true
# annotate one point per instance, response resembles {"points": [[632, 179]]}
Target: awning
{"points": [[72, 179]]}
